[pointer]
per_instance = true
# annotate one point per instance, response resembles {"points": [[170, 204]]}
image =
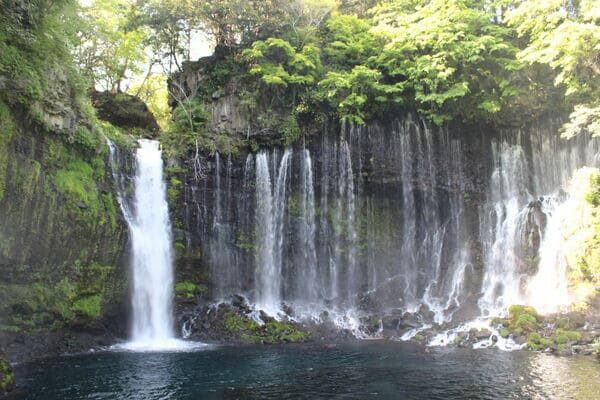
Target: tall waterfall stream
{"points": [[147, 215]]}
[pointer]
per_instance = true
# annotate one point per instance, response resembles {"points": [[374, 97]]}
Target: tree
{"points": [[453, 59], [171, 23], [109, 50], [566, 36], [280, 65], [153, 91]]}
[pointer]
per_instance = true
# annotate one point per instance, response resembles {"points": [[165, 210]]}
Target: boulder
{"points": [[125, 111]]}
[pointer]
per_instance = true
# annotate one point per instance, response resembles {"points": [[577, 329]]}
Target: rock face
{"points": [[61, 239]]}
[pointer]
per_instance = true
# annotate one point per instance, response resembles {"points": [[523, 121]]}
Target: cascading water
{"points": [[147, 217], [388, 221]]}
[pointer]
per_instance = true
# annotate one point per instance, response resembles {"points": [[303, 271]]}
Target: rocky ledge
{"points": [[235, 321]]}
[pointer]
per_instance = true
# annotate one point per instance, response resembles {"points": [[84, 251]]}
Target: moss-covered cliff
{"points": [[61, 237]]}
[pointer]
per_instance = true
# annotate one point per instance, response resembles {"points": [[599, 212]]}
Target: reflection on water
{"points": [[352, 371], [560, 378]]}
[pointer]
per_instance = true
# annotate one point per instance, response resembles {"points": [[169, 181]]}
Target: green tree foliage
{"points": [[153, 91], [278, 63], [109, 49], [35, 38], [566, 36], [171, 24], [453, 58], [354, 85]]}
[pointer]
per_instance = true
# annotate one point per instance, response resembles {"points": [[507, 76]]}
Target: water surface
{"points": [[363, 370]]}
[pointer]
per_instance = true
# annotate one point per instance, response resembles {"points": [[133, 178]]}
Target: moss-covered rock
{"points": [[234, 323], [7, 380], [521, 321], [125, 111], [189, 290], [268, 333]]}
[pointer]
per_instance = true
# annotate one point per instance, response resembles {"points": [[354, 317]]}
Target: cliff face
{"points": [[61, 236]]}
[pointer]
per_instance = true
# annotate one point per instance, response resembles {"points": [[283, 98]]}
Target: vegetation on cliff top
{"points": [[296, 62], [302, 61]]}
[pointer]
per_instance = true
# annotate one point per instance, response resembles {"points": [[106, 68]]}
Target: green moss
{"points": [[174, 190], [77, 182], [111, 208], [504, 333], [86, 138], [536, 342], [90, 306], [278, 332], [293, 205], [246, 242], [49, 305], [269, 333], [559, 340], [562, 336], [420, 338], [596, 346], [187, 290], [7, 380], [521, 320], [236, 323], [7, 127]]}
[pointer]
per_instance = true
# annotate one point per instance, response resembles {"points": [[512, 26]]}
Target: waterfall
{"points": [[309, 283], [523, 217], [502, 217], [147, 217], [270, 221], [411, 218], [151, 250]]}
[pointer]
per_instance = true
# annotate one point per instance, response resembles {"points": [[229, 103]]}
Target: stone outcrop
{"points": [[125, 111]]}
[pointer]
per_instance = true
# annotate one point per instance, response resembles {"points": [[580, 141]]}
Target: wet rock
{"points": [[462, 339], [240, 302], [287, 310], [426, 314], [370, 325], [583, 350], [480, 334], [409, 321], [390, 322]]}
